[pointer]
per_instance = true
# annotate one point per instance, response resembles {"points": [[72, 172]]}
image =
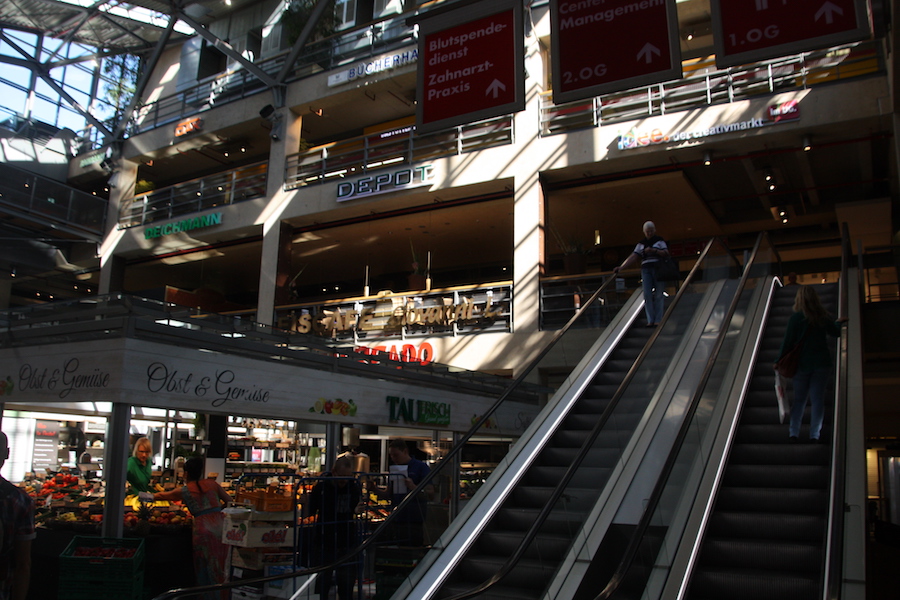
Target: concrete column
{"points": [[275, 267], [528, 237], [121, 192], [115, 466]]}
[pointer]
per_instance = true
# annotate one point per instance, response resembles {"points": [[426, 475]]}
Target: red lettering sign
{"points": [[601, 46], [471, 69], [752, 30]]}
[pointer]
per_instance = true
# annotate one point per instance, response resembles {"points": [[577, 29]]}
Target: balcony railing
{"points": [[36, 197], [229, 187], [342, 49], [706, 86], [358, 156]]}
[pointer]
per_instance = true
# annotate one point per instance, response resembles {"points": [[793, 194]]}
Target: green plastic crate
{"points": [[105, 572]]}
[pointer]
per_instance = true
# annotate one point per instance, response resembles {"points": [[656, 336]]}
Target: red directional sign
{"points": [[747, 31], [602, 46], [472, 67]]}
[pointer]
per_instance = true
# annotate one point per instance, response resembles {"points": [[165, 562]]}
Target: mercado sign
{"points": [[389, 181], [183, 225], [383, 63], [776, 113]]}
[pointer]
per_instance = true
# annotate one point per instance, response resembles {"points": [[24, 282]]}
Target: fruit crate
{"points": [[95, 568]]}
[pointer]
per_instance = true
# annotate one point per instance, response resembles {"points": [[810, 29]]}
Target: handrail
{"points": [[686, 425], [446, 460], [833, 555], [587, 444]]}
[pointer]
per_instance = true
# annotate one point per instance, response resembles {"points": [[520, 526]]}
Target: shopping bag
{"points": [[788, 364], [784, 406], [667, 269]]}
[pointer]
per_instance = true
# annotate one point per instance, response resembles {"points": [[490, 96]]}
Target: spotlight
{"points": [[266, 111], [807, 143], [707, 158]]}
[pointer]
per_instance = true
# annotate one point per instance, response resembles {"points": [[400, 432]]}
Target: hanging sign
{"points": [[602, 46], [471, 65], [754, 30]]}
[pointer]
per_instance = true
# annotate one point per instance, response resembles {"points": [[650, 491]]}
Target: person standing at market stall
{"points": [[407, 472], [16, 534], [205, 498], [139, 469], [334, 502]]}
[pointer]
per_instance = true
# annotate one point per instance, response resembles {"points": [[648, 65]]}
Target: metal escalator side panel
{"points": [[448, 550], [652, 439], [671, 582]]}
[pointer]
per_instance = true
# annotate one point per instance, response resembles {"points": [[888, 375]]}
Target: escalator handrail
{"points": [[445, 460], [538, 522], [834, 542], [686, 425]]}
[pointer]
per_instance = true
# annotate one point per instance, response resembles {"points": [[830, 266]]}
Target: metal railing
{"points": [[237, 83], [35, 197], [705, 86], [360, 155], [228, 187]]}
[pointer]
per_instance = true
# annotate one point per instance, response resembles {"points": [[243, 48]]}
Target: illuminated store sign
{"points": [[776, 114], [188, 126], [418, 412], [385, 182], [184, 225], [433, 314], [372, 67]]}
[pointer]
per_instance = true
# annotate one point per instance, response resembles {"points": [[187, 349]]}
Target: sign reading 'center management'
{"points": [[602, 46], [470, 65]]}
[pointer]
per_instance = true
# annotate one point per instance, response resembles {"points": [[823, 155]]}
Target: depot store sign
{"points": [[383, 183]]}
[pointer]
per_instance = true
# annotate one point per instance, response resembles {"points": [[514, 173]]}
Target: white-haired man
{"points": [[649, 250]]}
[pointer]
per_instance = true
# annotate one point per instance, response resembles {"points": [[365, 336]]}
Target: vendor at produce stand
{"points": [[16, 533], [139, 470]]}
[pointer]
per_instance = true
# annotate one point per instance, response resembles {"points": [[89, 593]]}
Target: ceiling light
{"points": [[807, 143], [707, 158]]}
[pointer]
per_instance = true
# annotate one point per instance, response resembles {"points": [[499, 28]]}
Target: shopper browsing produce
{"points": [[205, 498]]}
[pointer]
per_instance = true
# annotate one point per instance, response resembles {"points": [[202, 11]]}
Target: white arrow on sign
{"points": [[647, 52], [828, 10], [496, 87]]}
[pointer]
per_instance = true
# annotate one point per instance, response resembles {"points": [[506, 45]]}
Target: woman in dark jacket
{"points": [[815, 359]]}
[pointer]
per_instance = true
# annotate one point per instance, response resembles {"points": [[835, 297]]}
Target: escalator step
{"points": [[528, 573], [766, 526], [537, 496], [778, 556], [563, 457], [794, 500], [777, 454], [504, 543], [782, 476], [748, 584]]}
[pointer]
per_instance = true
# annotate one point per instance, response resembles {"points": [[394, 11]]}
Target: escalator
{"points": [[766, 535], [558, 476]]}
